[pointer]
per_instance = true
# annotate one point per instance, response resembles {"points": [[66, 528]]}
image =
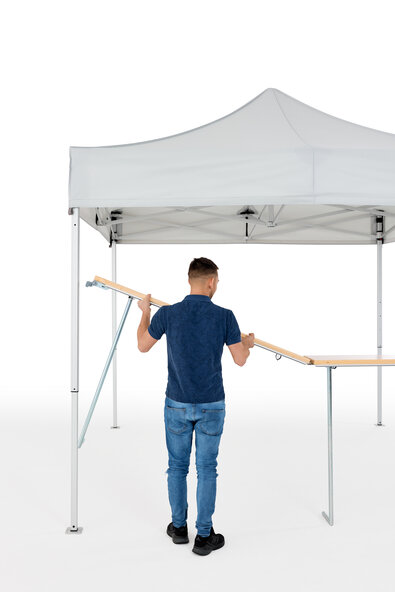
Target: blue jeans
{"points": [[207, 419]]}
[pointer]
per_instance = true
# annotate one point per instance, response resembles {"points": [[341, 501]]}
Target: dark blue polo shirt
{"points": [[196, 330]]}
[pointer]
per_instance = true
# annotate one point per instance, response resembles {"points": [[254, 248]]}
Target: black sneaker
{"points": [[179, 535], [204, 545]]}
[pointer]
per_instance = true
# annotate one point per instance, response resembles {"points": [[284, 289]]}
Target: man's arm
{"points": [[241, 350], [144, 340]]}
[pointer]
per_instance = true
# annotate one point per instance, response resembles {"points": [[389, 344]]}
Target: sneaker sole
{"points": [[206, 550], [179, 540]]}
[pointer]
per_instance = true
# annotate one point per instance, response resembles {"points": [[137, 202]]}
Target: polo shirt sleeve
{"points": [[158, 324], [233, 334]]}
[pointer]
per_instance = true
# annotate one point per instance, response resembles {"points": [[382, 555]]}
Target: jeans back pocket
{"points": [[175, 418], [212, 423]]}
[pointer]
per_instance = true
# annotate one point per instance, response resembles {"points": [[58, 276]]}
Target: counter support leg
{"points": [[329, 517]]}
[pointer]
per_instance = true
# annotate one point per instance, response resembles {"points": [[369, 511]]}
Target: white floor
{"points": [[272, 487]]}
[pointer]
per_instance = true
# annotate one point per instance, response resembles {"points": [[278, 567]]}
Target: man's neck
{"points": [[200, 294]]}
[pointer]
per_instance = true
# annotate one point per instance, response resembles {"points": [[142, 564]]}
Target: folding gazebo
{"points": [[274, 171]]}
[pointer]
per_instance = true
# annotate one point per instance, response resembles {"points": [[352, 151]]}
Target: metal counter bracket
{"points": [[97, 284]]}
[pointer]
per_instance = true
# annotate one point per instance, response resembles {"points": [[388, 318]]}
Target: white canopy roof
{"points": [[274, 171]]}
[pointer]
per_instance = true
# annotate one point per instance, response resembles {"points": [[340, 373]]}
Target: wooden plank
{"points": [[128, 291], [281, 351], [317, 360], [353, 360]]}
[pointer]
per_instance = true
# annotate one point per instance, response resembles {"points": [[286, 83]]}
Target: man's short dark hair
{"points": [[202, 268]]}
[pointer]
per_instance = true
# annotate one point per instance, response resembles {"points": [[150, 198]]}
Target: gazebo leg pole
{"points": [[114, 331], [75, 304], [329, 517], [379, 319]]}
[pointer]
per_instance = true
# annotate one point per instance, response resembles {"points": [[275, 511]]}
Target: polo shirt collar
{"points": [[197, 297]]}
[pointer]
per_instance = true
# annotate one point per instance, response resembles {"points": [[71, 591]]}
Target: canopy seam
{"points": [[297, 134]]}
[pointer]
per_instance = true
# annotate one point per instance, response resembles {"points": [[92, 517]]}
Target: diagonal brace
{"points": [[104, 373]]}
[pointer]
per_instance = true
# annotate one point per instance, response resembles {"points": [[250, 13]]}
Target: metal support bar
{"points": [[75, 303], [104, 373], [379, 234], [114, 331], [329, 517]]}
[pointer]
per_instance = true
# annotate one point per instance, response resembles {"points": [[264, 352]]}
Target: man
{"points": [[196, 330]]}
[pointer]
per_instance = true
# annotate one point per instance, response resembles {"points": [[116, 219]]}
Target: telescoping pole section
{"points": [[114, 332], [379, 240], [75, 303]]}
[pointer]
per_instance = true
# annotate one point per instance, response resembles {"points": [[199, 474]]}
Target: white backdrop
{"points": [[76, 72]]}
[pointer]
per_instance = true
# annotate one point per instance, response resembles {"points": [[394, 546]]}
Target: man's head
{"points": [[203, 276]]}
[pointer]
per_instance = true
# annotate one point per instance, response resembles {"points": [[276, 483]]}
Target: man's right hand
{"points": [[248, 340]]}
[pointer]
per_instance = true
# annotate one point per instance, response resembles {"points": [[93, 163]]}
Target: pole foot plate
{"points": [[115, 427], [69, 530]]}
